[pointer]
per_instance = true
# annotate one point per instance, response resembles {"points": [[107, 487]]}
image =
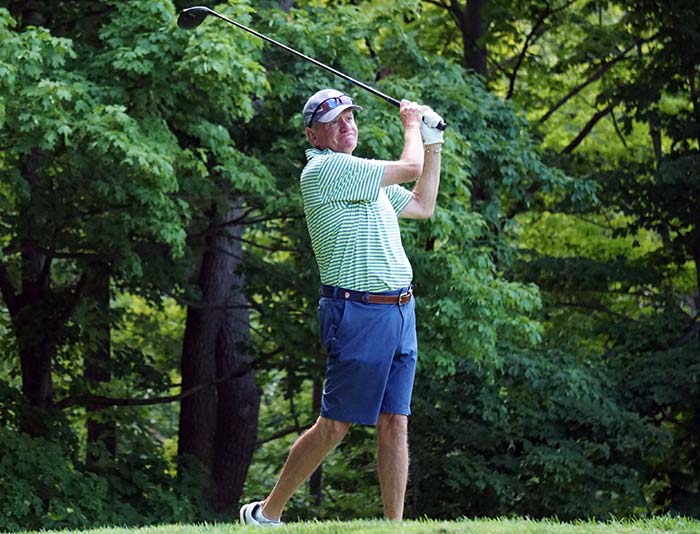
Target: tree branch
{"points": [[295, 429], [694, 94], [521, 56], [530, 40], [586, 129], [617, 129], [604, 67], [100, 402], [49, 253]]}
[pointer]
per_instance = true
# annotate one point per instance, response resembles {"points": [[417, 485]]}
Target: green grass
{"points": [[485, 526]]}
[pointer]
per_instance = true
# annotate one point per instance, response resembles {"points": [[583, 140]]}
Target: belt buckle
{"points": [[407, 294]]}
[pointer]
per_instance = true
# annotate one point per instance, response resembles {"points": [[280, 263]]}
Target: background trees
{"points": [[158, 322]]}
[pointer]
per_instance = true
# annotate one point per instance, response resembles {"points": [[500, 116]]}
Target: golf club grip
{"points": [[440, 125]]}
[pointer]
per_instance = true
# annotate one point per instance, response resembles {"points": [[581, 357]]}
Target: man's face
{"points": [[340, 135]]}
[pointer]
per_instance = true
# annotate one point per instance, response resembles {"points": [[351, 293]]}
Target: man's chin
{"points": [[348, 147]]}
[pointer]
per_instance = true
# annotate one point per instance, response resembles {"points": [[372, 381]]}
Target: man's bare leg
{"points": [[392, 462], [305, 456]]}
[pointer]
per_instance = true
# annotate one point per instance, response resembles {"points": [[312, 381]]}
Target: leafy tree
{"points": [[128, 160], [82, 181], [611, 87]]}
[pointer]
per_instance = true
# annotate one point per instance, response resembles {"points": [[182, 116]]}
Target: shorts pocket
{"points": [[331, 314]]}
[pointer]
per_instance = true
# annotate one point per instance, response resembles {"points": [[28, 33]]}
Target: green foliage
{"points": [[42, 485], [41, 488], [105, 177], [517, 442]]}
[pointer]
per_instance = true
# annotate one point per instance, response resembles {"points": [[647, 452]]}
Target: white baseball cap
{"points": [[325, 105]]}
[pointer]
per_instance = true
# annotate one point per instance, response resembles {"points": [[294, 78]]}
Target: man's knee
{"points": [[393, 426], [331, 430]]}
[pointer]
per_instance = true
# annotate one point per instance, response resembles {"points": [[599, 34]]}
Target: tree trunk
{"points": [[218, 425], [198, 366], [238, 403], [32, 325], [97, 359], [473, 29]]}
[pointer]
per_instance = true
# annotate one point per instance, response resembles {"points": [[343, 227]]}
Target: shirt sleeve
{"points": [[349, 178], [398, 196]]}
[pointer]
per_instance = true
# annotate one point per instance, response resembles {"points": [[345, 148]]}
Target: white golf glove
{"points": [[428, 130]]}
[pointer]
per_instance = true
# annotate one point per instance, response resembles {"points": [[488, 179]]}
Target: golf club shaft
{"points": [[366, 87], [360, 84]]}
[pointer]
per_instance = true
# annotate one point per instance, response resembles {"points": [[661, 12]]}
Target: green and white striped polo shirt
{"points": [[353, 222]]}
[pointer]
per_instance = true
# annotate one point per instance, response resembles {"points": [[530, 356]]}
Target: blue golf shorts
{"points": [[372, 351]]}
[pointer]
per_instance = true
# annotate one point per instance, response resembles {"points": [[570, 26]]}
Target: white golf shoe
{"points": [[251, 514]]}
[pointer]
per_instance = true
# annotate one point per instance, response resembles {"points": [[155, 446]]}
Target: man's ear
{"points": [[311, 136]]}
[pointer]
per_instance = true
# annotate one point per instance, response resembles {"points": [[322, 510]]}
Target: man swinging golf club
{"points": [[366, 309]]}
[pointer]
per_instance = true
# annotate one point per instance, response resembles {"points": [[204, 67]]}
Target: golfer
{"points": [[366, 305]]}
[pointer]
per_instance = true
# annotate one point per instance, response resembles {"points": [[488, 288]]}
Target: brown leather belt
{"points": [[368, 298]]}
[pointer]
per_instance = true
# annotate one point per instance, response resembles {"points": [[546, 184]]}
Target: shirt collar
{"points": [[313, 152]]}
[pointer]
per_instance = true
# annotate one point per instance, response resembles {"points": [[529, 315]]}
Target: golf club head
{"points": [[192, 17]]}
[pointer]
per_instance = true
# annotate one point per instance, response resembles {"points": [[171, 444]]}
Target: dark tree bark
{"points": [[34, 316], [218, 424], [286, 5], [32, 327], [97, 360], [473, 28], [237, 410], [471, 24], [34, 322], [238, 398], [198, 366], [695, 254]]}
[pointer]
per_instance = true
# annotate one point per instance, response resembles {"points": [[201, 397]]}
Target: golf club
{"points": [[192, 17]]}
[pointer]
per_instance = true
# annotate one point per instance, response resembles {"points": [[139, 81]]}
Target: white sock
{"points": [[258, 514]]}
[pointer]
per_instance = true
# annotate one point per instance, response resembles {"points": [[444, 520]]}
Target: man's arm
{"points": [[418, 161], [422, 205]]}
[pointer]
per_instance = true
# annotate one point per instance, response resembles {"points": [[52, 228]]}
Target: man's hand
{"points": [[428, 130], [411, 114]]}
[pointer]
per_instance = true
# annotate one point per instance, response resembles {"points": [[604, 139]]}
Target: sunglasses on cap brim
{"points": [[329, 104]]}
